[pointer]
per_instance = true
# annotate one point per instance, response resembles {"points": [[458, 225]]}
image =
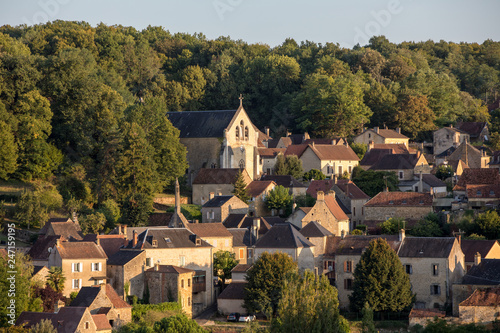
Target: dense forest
{"points": [[83, 108]]}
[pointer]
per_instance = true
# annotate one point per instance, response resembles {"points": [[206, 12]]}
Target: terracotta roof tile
{"points": [[392, 199], [352, 190], [477, 176], [241, 268], [468, 153], [116, 300], [235, 290], [472, 128], [296, 150], [324, 185], [483, 191], [427, 313], [209, 229], [334, 208], [257, 187], [80, 250], [170, 269], [391, 134], [305, 209], [101, 322], [397, 148], [271, 152], [68, 229], [472, 246], [111, 243], [337, 152], [219, 176], [483, 297]]}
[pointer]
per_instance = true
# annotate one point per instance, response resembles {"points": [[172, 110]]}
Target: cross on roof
{"points": [[241, 100]]}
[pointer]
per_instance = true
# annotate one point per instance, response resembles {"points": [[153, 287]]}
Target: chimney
{"points": [[58, 305], [477, 258], [459, 238], [177, 197], [124, 229], [376, 129], [75, 217], [331, 193], [267, 130], [211, 195], [98, 241], [342, 234], [134, 240], [288, 133], [320, 196], [334, 177], [398, 130], [402, 235], [371, 145], [256, 227], [58, 242], [157, 267]]}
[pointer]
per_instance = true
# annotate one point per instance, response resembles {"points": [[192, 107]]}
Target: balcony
{"points": [[199, 281]]}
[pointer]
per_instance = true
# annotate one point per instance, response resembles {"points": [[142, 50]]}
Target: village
{"points": [[172, 259]]}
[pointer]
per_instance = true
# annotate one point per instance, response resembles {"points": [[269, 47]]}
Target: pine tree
{"points": [[380, 280], [240, 188]]}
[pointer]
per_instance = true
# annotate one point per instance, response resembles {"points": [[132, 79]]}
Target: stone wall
{"points": [[461, 292], [131, 272], [478, 314], [201, 192], [385, 212], [227, 306]]}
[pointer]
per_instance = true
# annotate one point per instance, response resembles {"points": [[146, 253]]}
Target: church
{"points": [[219, 139]]}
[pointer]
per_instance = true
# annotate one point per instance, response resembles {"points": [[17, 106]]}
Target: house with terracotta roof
{"points": [[179, 247], [434, 264], [215, 234], [481, 306], [329, 159], [218, 207], [328, 213], [293, 185], [258, 190], [268, 158], [65, 227], [83, 264], [447, 137], [480, 184], [353, 198], [478, 131], [104, 300], [382, 135], [170, 283], [411, 206], [216, 181], [284, 237], [67, 319], [423, 316], [406, 166]]}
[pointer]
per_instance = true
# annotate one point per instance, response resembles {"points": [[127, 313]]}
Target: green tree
{"points": [[314, 174], [8, 151], [414, 115], [224, 262], [177, 324], [44, 326], [93, 223], [240, 188], [392, 226], [380, 280], [111, 211], [280, 168], [137, 208], [359, 148], [489, 224], [265, 280], [428, 227], [278, 198], [30, 211], [373, 182], [444, 172], [289, 165], [367, 324], [56, 279], [308, 304]]}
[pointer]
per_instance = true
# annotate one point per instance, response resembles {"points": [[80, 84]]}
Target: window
{"points": [[408, 269], [478, 192], [328, 265], [401, 174], [435, 289], [250, 253], [369, 135], [148, 262], [340, 170], [246, 133], [155, 243], [242, 253], [182, 261], [348, 266], [268, 171], [435, 269], [210, 215], [76, 283], [96, 267], [213, 166], [189, 283], [182, 283], [242, 164], [189, 301], [76, 267], [348, 284], [237, 133], [350, 168], [87, 325], [354, 211]]}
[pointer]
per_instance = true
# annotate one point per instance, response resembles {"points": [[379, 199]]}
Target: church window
{"points": [[246, 133], [237, 132], [242, 164]]}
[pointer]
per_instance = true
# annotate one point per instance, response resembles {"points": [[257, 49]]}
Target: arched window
{"points": [[242, 164], [246, 133], [237, 133]]}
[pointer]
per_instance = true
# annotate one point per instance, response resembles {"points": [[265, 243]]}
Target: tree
{"points": [[427, 227], [314, 174], [414, 115], [392, 226], [265, 280], [48, 296], [93, 223], [29, 210], [359, 148], [224, 262], [240, 188], [137, 208], [289, 165], [308, 304], [8, 151], [373, 182], [444, 172], [367, 323], [56, 279], [278, 198], [44, 326], [177, 324], [380, 280], [489, 224]]}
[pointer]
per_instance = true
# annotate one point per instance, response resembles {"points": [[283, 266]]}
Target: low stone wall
{"points": [[170, 201]]}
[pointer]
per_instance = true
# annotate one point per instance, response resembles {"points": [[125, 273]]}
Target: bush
{"points": [[140, 310]]}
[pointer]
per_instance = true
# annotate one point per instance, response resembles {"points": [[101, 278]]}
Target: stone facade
{"points": [[377, 136], [478, 314], [322, 213], [303, 256], [460, 292], [407, 212], [328, 167], [447, 137], [201, 153], [344, 269], [219, 214], [130, 272]]}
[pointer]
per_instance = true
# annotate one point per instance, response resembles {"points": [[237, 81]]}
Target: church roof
{"points": [[201, 124]]}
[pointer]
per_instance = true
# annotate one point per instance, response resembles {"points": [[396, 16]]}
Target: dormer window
{"points": [[391, 202], [198, 241], [167, 240], [492, 192], [478, 193], [404, 202], [155, 243]]}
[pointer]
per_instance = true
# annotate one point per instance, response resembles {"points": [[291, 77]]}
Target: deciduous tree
{"points": [[224, 262]]}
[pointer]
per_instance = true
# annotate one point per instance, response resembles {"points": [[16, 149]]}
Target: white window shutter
{"points": [[100, 266], [81, 267], [79, 283], [72, 267], [92, 267]]}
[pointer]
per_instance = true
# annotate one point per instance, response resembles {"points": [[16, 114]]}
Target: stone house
{"points": [[483, 196], [317, 235], [472, 157], [224, 139], [328, 213], [169, 283], [423, 316], [65, 227], [243, 240], [434, 264], [67, 319], [215, 182], [382, 135], [268, 158], [294, 187], [125, 268], [218, 208], [487, 249], [329, 159], [103, 299], [284, 237], [232, 299], [40, 274], [239, 272], [83, 264], [258, 190], [298, 215], [40, 251], [478, 131], [216, 234], [353, 198], [258, 226], [179, 247], [410, 206], [475, 176], [481, 306], [447, 137], [406, 166]]}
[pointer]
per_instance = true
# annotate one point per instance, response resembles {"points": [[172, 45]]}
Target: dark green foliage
{"points": [[278, 198], [373, 182], [430, 226], [380, 280], [136, 209], [30, 211], [359, 148], [289, 165], [265, 282], [178, 324], [308, 304], [304, 200], [44, 326], [224, 262], [240, 188], [139, 310], [441, 326], [392, 226], [314, 174], [489, 224], [444, 172], [367, 323], [56, 279]]}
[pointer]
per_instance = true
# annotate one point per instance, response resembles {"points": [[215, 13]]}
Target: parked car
{"points": [[247, 318], [235, 316]]}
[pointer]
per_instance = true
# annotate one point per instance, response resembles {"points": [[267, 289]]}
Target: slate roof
{"points": [[166, 238], [218, 201], [242, 237], [283, 235], [397, 148], [356, 245], [495, 158], [392, 199], [432, 180], [234, 220], [241, 268], [471, 246], [80, 250], [426, 247], [86, 296], [170, 269], [352, 190], [257, 187], [66, 228], [483, 297], [217, 176], [37, 269], [121, 258], [271, 152], [472, 128], [285, 181], [446, 152], [65, 321], [487, 273], [46, 226], [334, 152], [247, 222], [201, 124], [296, 150], [101, 322], [40, 250], [314, 229], [111, 243], [272, 143], [396, 162], [477, 176], [209, 229], [468, 153], [374, 155], [324, 185], [235, 290]]}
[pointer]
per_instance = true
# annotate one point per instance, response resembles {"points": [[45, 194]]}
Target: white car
{"points": [[247, 318]]}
